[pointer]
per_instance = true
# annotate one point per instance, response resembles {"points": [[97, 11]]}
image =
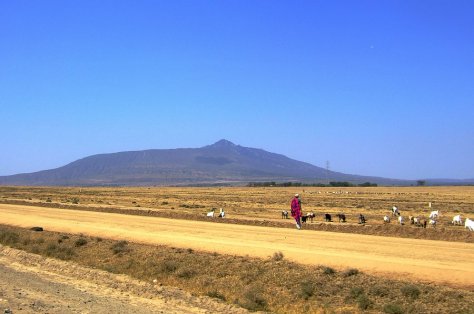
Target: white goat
{"points": [[395, 211], [417, 221], [469, 224], [433, 222], [434, 214], [457, 220], [211, 213], [386, 219], [401, 220]]}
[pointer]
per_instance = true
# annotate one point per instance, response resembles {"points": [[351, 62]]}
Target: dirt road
{"points": [[431, 261], [30, 283]]}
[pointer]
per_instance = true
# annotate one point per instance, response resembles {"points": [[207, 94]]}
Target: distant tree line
{"points": [[298, 184]]}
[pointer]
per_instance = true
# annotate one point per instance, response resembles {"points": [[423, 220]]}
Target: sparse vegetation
{"points": [[393, 309], [328, 270], [257, 284], [80, 242], [351, 272], [410, 291], [278, 256], [120, 247]]}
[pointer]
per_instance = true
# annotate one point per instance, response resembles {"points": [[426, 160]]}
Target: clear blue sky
{"points": [[383, 88]]}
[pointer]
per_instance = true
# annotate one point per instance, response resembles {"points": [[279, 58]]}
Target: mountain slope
{"points": [[218, 163]]}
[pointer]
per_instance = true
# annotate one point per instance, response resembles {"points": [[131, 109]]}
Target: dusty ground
{"points": [[263, 206], [33, 284], [436, 261]]}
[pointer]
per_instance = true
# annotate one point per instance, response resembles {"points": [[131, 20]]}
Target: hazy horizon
{"points": [[373, 88]]}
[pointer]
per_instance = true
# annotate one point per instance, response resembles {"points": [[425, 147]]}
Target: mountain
{"points": [[220, 163]]}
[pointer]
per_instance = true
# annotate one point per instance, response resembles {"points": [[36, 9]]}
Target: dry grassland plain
{"points": [[263, 207]]}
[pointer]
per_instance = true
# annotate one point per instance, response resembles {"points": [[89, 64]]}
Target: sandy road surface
{"points": [[436, 261]]}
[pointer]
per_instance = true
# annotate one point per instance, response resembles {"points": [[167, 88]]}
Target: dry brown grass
{"points": [[264, 205], [272, 284]]}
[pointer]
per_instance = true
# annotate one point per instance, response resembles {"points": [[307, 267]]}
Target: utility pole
{"points": [[327, 172]]}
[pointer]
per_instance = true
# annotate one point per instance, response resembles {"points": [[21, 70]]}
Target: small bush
{"points": [[307, 289], [216, 294], [254, 300], [392, 309], [48, 200], [119, 247], [64, 253], [9, 237], [80, 242], [356, 292], [379, 291], [351, 272], [410, 291], [328, 271], [363, 302], [75, 200], [168, 266], [277, 256], [186, 273]]}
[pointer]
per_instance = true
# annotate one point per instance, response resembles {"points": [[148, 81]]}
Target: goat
{"points": [[412, 219], [311, 216], [341, 217], [361, 219], [469, 224], [395, 211], [433, 222], [434, 214], [457, 220], [211, 213], [284, 214], [386, 219], [417, 221], [327, 217], [221, 213], [401, 220]]}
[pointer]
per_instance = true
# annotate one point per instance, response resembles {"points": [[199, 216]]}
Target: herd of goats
{"points": [[414, 220]]}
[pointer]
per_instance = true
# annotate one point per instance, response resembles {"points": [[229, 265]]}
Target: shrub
{"points": [[168, 266], [351, 272], [254, 300], [392, 309], [328, 271], [75, 200], [307, 289], [120, 247], [363, 302], [379, 290], [411, 291], [64, 253], [356, 292], [186, 273], [215, 294], [9, 237], [277, 256], [80, 242]]}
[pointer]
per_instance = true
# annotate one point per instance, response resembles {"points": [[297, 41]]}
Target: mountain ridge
{"points": [[221, 162]]}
